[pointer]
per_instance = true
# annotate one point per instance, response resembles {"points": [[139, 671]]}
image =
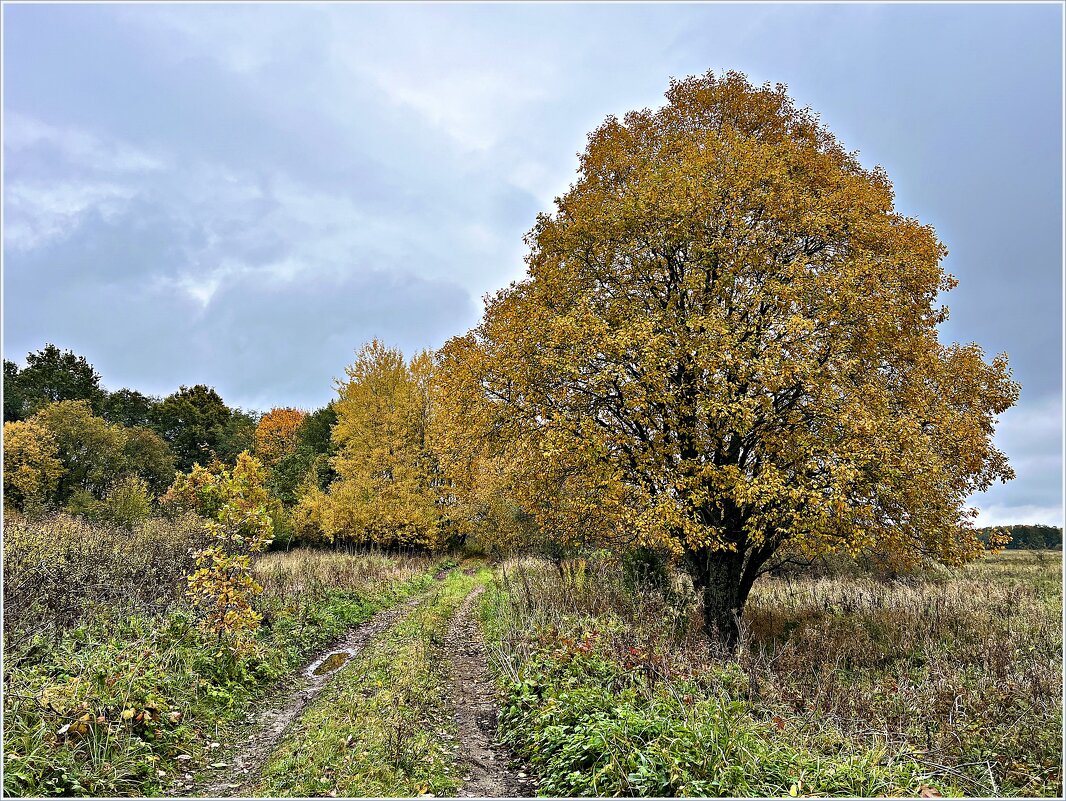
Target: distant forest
{"points": [[1024, 538]]}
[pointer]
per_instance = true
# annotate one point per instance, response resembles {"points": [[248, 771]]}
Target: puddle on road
{"points": [[331, 663]]}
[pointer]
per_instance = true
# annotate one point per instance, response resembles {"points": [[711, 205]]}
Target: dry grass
{"points": [[288, 576], [61, 571], [960, 670]]}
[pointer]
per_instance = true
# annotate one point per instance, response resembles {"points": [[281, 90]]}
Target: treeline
{"points": [[383, 463], [366, 468], [72, 445], [194, 422], [1022, 538]]}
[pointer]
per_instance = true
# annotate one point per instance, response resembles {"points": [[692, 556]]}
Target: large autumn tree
{"points": [[727, 339], [32, 467]]}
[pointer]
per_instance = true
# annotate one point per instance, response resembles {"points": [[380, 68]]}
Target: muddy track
{"points": [[233, 769], [491, 770]]}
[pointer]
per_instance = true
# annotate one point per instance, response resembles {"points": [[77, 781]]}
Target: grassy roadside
{"points": [[592, 724], [117, 707], [847, 686], [384, 727]]}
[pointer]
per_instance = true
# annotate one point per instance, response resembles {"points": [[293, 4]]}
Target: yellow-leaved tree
{"points": [[276, 435], [387, 490], [234, 502], [510, 481], [32, 467], [726, 346]]}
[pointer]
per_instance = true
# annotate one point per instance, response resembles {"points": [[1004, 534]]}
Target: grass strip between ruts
{"points": [[385, 726]]}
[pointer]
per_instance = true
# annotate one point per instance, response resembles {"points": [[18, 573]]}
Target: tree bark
{"points": [[724, 580], [717, 575]]}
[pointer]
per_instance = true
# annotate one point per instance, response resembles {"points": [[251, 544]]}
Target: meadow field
{"points": [[846, 681]]}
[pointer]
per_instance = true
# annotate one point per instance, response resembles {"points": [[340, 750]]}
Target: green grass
{"points": [[844, 684], [104, 708], [384, 726], [594, 725]]}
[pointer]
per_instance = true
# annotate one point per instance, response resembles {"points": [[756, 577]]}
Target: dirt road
{"points": [[236, 764], [491, 770]]}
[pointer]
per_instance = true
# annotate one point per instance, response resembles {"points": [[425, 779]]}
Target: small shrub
{"points": [[235, 502]]}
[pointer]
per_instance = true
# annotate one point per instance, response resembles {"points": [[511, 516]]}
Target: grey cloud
{"points": [[261, 343], [1031, 436], [295, 336], [263, 288]]}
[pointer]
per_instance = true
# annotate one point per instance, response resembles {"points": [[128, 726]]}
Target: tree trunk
{"points": [[721, 578]]}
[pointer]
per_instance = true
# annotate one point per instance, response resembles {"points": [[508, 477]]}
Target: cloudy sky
{"points": [[241, 195]]}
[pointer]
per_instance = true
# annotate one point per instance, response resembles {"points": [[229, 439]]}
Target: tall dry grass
{"points": [[289, 576], [62, 571], [961, 669]]}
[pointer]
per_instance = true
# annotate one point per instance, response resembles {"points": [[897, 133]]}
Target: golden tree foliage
{"points": [[32, 467], [386, 491], [276, 435], [234, 501], [727, 344], [497, 481]]}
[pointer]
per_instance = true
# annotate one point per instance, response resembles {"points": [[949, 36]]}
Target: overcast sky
{"points": [[242, 195]]}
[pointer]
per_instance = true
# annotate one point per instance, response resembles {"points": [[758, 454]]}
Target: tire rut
{"points": [[489, 771], [237, 767]]}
